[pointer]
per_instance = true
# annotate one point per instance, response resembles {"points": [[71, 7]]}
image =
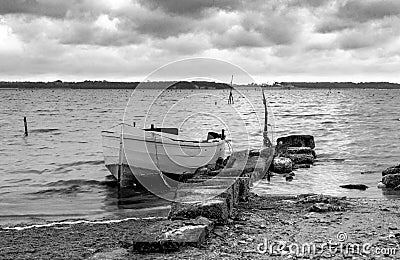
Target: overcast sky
{"points": [[277, 40]]}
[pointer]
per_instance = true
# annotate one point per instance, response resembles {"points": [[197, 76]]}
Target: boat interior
{"points": [[175, 131]]}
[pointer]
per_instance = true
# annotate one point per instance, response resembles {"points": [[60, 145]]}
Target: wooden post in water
{"points": [[265, 112], [26, 126], [230, 99], [266, 141]]}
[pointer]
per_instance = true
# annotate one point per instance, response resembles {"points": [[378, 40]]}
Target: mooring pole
{"points": [[26, 126], [265, 112], [230, 100], [267, 142]]}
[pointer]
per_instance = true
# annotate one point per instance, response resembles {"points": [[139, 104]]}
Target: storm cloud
{"points": [[291, 39], [364, 11], [49, 8], [193, 7]]}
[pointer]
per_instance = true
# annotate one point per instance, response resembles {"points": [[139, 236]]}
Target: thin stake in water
{"points": [[230, 100], [26, 126]]}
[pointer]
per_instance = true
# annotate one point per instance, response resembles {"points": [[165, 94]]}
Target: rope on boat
{"points": [[157, 163]]}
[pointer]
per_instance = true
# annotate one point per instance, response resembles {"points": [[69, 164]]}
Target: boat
{"points": [[157, 150]]}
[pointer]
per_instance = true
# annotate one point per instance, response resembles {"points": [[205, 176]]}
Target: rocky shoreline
{"points": [[279, 223]]}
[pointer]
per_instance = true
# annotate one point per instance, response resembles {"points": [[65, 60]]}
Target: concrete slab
{"points": [[215, 209], [216, 197], [230, 188], [167, 236]]}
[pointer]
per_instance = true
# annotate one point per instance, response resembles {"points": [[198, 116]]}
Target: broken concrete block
{"points": [[281, 165], [167, 236], [323, 207], [391, 170], [297, 141], [301, 158], [301, 150], [391, 180], [214, 209]]}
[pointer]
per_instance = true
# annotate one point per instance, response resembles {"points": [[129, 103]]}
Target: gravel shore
{"points": [[273, 227]]}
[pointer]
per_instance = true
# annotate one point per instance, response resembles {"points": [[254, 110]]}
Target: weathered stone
{"points": [[230, 195], [244, 189], [323, 207], [301, 158], [215, 209], [168, 236], [301, 150], [211, 167], [219, 164], [381, 185], [391, 170], [391, 180], [318, 198], [202, 171], [281, 165], [297, 141], [280, 150], [236, 189], [194, 194], [354, 186], [288, 177]]}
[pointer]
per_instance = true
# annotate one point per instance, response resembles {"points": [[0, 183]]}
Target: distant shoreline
{"points": [[192, 85]]}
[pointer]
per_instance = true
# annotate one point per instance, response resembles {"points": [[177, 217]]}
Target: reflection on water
{"points": [[58, 172]]}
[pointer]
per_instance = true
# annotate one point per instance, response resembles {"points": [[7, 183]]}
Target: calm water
{"points": [[57, 172]]}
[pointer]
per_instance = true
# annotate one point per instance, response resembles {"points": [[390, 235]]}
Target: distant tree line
{"points": [[116, 85], [199, 85], [74, 85], [378, 85], [190, 85]]}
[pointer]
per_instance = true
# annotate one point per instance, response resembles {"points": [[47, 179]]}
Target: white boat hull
{"points": [[158, 152]]}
